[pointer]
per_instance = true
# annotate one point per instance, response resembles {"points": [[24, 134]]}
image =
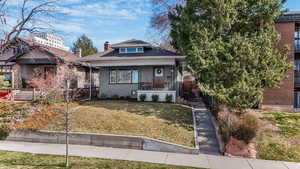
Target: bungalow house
{"points": [[134, 67], [18, 66]]}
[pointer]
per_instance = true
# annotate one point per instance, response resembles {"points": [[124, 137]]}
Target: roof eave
{"points": [[130, 45], [131, 58]]}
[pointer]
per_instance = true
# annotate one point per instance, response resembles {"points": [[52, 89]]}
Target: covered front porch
{"points": [[133, 81]]}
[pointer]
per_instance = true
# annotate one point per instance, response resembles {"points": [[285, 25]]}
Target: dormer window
{"points": [[131, 50]]}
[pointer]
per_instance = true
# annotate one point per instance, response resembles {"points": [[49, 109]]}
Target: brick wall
{"points": [[283, 96]]}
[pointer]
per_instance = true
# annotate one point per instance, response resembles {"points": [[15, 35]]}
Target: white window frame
{"points": [[136, 50], [137, 72]]}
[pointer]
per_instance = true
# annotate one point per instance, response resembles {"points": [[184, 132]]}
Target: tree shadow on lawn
{"points": [[173, 113]]}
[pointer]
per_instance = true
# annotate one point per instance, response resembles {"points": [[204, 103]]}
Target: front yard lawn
{"points": [[284, 143], [15, 160], [168, 122]]}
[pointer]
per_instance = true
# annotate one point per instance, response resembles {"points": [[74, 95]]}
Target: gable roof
{"points": [[131, 43], [149, 52], [33, 48], [55, 52], [292, 16]]}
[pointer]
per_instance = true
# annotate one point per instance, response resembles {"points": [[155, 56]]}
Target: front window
{"points": [[5, 76], [297, 65], [113, 77], [122, 50], [131, 50], [124, 77], [5, 80], [297, 38]]}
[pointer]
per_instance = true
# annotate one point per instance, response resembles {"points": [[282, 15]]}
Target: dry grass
{"points": [[168, 122], [39, 119], [14, 160], [282, 141], [10, 112]]}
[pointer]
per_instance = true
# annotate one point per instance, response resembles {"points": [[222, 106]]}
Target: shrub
{"points": [[227, 123], [115, 96], [246, 129], [169, 98], [242, 129], [4, 131], [46, 100], [143, 97], [103, 96], [155, 98]]}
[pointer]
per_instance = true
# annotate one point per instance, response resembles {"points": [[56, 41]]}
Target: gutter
{"points": [[132, 58]]}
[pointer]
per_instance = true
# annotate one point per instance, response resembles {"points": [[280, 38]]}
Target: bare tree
{"points": [[2, 11], [34, 16], [160, 20], [159, 32]]}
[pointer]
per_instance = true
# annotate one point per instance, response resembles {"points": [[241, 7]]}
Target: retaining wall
{"points": [[103, 140]]}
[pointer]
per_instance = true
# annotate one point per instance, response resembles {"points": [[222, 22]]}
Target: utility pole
{"points": [[67, 124]]}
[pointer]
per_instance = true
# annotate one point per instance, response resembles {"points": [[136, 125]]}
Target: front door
{"points": [[159, 81]]}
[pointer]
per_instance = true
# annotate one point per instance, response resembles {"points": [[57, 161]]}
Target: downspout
{"points": [[90, 95]]}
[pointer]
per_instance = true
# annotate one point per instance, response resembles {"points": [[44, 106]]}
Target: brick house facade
{"points": [[286, 97]]}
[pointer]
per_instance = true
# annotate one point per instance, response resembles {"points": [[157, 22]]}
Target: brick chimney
{"points": [[106, 46]]}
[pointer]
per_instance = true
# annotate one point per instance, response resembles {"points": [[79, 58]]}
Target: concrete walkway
{"points": [[205, 134], [201, 160]]}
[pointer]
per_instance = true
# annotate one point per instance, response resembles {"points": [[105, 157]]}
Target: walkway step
{"points": [[209, 148], [205, 126], [208, 141], [206, 133], [24, 96]]}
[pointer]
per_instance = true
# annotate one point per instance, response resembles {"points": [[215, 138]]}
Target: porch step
{"points": [[23, 96]]}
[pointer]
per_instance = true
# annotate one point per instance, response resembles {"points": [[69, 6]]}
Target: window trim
{"points": [[297, 38], [117, 70], [136, 50]]}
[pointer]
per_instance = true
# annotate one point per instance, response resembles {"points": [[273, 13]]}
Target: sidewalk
{"points": [[201, 161]]}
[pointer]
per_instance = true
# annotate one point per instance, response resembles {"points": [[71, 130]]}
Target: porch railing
{"points": [[151, 86]]}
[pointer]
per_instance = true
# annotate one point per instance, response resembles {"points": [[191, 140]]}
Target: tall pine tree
{"points": [[230, 47], [86, 46]]}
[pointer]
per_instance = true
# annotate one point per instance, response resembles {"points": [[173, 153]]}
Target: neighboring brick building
{"points": [[288, 95]]}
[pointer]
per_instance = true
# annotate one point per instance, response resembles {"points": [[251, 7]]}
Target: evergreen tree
{"points": [[86, 46], [230, 47]]}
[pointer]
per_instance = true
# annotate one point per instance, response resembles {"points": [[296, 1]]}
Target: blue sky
{"points": [[293, 5], [110, 20], [106, 20]]}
